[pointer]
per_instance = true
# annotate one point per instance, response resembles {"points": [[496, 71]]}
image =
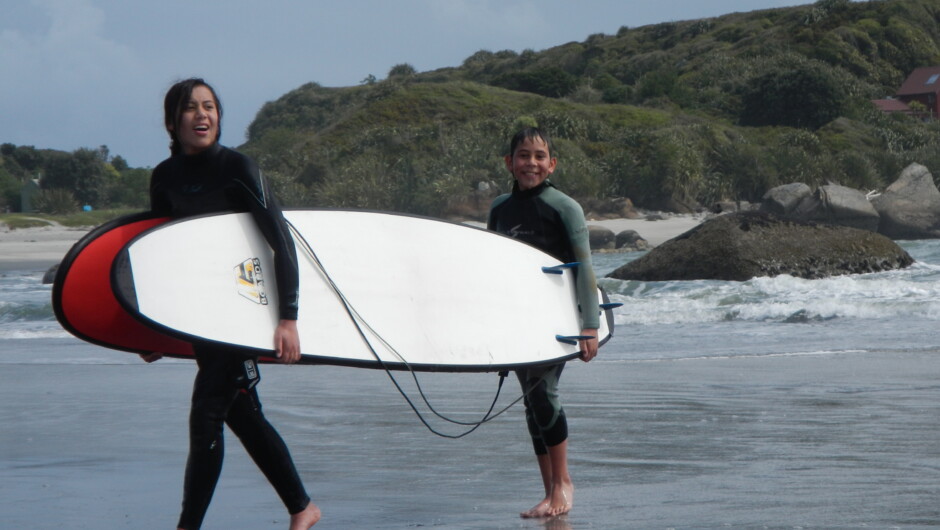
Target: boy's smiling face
{"points": [[531, 163]]}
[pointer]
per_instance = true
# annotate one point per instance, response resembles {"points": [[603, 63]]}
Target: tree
{"points": [[119, 163], [402, 70], [551, 81], [27, 157], [806, 96], [81, 172], [9, 191]]}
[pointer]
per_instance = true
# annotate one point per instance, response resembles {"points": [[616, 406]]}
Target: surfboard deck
{"points": [[391, 291]]}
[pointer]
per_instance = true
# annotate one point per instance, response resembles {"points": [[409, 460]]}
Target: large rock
{"points": [[631, 240], [832, 204], [844, 206], [617, 208], [601, 238], [782, 200], [910, 207], [746, 245]]}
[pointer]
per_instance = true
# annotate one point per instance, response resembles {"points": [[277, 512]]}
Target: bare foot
{"points": [[562, 499], [305, 519], [539, 510]]}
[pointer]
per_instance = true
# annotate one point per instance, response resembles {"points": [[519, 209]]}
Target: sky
{"points": [[86, 73]]}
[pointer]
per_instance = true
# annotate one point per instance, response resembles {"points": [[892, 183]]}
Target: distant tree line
{"points": [[70, 181]]}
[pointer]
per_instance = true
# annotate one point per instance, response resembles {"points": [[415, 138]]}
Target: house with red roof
{"points": [[892, 105], [922, 86]]}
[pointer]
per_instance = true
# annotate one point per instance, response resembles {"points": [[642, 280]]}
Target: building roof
{"points": [[924, 80], [891, 105]]}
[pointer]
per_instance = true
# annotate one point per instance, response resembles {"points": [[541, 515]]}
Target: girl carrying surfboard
{"points": [[201, 176]]}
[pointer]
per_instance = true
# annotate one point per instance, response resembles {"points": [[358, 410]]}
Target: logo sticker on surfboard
{"points": [[249, 281]]}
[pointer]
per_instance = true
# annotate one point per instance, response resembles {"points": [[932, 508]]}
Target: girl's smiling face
{"points": [[531, 163], [198, 124]]}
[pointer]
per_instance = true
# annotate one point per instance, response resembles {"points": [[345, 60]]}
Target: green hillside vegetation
{"points": [[672, 115]]}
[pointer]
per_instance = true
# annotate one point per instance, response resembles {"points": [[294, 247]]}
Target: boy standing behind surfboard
{"points": [[204, 177], [537, 213]]}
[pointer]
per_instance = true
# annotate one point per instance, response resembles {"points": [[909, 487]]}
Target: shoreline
{"points": [[655, 232], [39, 248]]}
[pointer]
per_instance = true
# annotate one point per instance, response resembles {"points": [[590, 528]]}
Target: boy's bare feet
{"points": [[562, 499], [539, 510], [559, 502], [305, 519]]}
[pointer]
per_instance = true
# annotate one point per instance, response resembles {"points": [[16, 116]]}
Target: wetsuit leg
{"points": [[545, 416], [267, 449], [214, 392]]}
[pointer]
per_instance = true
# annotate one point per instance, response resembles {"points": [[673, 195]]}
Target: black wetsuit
{"points": [[216, 180], [550, 220]]}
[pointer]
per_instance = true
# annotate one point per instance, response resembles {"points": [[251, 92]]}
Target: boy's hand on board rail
{"points": [[588, 346]]}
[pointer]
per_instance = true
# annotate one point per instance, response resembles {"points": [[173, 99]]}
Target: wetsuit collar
{"points": [[203, 155], [532, 192]]}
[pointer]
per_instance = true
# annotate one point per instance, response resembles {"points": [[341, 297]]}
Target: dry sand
{"points": [[655, 232], [36, 248], [42, 247]]}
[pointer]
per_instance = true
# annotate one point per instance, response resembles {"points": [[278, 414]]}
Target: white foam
{"points": [[894, 294]]}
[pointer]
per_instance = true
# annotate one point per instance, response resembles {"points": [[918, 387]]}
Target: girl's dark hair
{"points": [[530, 133], [177, 97]]}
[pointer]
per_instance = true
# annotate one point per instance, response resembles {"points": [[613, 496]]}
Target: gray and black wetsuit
{"points": [[550, 220], [217, 180]]}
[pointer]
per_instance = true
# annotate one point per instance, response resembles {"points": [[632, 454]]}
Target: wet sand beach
{"points": [[813, 441]]}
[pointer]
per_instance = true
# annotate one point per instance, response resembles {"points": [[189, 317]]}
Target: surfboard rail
{"points": [[84, 304]]}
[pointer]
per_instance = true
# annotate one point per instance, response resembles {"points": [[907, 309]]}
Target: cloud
{"points": [[51, 68], [72, 48]]}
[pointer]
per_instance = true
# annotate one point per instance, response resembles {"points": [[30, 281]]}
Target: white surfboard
{"points": [[380, 290]]}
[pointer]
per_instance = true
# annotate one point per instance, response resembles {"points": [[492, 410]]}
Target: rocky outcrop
{"points": [[746, 245], [910, 207], [783, 200], [49, 277], [617, 208], [832, 204], [601, 238], [631, 240]]}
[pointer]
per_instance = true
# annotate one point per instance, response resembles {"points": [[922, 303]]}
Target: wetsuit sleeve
{"points": [[270, 220], [586, 287]]}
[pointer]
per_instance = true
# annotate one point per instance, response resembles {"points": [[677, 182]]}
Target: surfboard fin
{"points": [[609, 306], [560, 269], [572, 339]]}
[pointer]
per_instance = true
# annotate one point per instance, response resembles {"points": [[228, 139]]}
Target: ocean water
{"points": [[774, 403], [889, 311]]}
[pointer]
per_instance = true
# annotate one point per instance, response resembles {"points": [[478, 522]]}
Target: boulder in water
{"points": [[746, 245]]}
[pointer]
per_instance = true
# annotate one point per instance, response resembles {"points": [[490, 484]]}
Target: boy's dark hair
{"points": [[530, 133], [174, 103]]}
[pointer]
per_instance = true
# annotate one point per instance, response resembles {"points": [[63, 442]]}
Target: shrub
{"points": [[55, 202], [805, 95]]}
